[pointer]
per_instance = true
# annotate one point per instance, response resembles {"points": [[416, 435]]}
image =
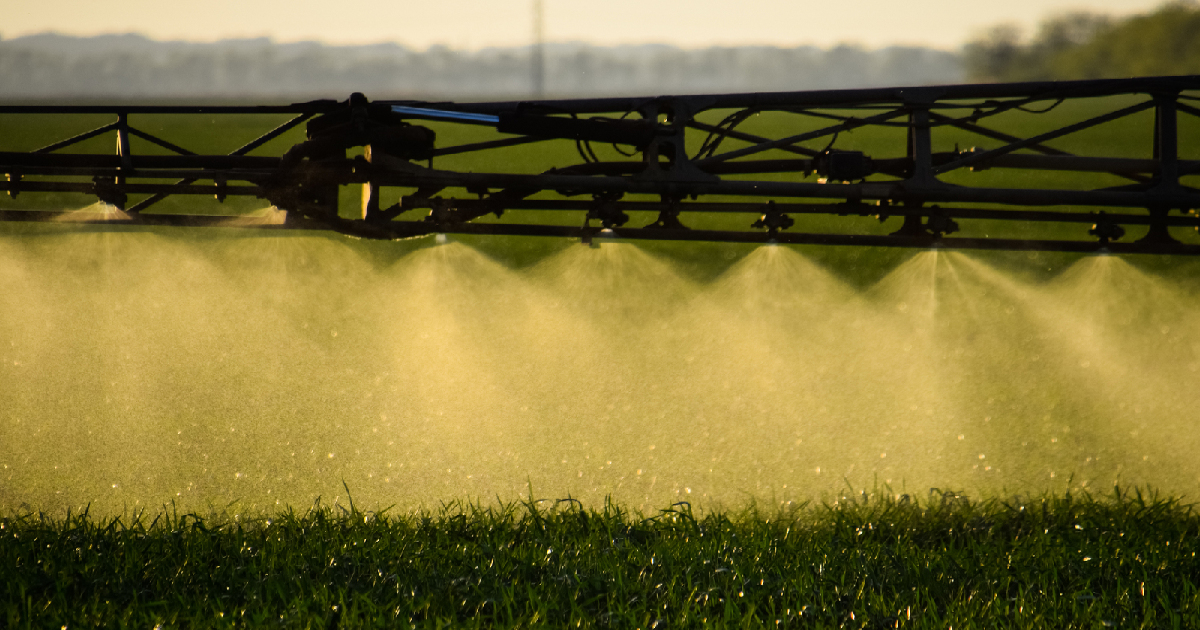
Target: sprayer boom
{"points": [[1066, 166]]}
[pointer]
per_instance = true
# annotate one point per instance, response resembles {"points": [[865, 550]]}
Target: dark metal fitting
{"points": [[966, 153], [854, 207], [1105, 230], [442, 212], [912, 228], [844, 166], [106, 190], [587, 233], [608, 214], [773, 220], [668, 219], [940, 225]]}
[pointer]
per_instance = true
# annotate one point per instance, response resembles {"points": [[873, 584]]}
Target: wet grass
{"points": [[1124, 560]]}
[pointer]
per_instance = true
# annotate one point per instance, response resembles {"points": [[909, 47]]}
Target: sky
{"points": [[473, 24]]}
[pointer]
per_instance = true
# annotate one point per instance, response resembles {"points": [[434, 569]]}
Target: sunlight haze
{"points": [[471, 24]]}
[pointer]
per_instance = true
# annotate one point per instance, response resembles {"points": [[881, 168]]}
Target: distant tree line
{"points": [[1085, 45], [1071, 46], [132, 66]]}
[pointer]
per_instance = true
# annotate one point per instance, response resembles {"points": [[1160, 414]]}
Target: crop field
{"points": [[541, 434], [1124, 560]]}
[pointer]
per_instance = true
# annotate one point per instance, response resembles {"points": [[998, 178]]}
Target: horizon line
{"points": [[5, 38]]}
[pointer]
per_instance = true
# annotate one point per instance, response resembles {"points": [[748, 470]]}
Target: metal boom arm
{"points": [[689, 165]]}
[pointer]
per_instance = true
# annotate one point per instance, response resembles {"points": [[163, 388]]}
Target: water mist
{"points": [[252, 373]]}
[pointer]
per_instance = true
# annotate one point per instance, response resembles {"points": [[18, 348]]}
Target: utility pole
{"points": [[539, 50]]}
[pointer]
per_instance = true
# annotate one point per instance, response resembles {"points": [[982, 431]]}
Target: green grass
{"points": [[1126, 560]]}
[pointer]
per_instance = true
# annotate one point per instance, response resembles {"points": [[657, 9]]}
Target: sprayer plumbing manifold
{"points": [[679, 167]]}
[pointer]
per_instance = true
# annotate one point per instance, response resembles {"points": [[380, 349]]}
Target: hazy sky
{"points": [[479, 23]]}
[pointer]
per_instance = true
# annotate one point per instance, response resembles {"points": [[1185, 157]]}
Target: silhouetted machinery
{"points": [[818, 167]]}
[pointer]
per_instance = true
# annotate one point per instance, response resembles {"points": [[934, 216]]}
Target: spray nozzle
{"points": [[939, 224], [1105, 230], [773, 219], [608, 214]]}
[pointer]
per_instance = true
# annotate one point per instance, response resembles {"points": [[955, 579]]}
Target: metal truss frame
{"points": [[765, 178]]}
